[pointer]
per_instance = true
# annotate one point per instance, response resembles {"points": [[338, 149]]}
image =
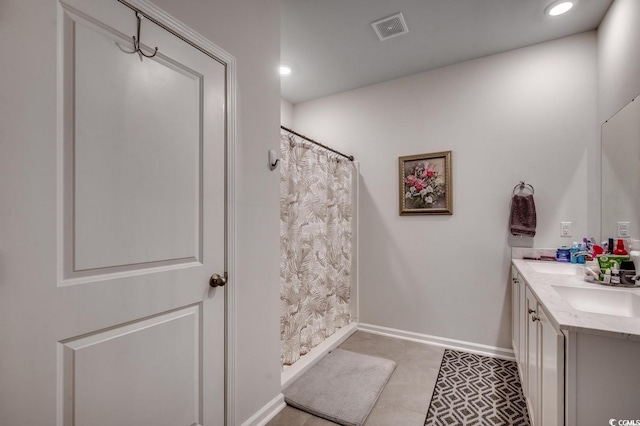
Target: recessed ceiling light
{"points": [[559, 7], [285, 70]]}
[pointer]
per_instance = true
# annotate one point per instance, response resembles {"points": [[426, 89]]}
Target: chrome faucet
{"points": [[582, 253]]}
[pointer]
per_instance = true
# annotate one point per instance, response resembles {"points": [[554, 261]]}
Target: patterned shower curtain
{"points": [[315, 242]]}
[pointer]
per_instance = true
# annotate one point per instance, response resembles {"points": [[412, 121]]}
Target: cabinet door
{"points": [[551, 367], [532, 357], [515, 313], [522, 324]]}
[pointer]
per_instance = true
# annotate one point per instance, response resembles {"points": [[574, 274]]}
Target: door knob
{"points": [[217, 280]]}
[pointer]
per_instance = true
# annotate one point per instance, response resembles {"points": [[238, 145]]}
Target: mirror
{"points": [[621, 171]]}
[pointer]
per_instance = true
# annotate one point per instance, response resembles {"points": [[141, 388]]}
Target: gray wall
{"points": [[527, 114], [618, 57], [286, 113]]}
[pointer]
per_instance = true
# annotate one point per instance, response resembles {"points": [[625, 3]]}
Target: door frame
{"points": [[182, 31]]}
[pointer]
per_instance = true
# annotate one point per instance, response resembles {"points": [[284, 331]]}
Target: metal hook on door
{"points": [[136, 42]]}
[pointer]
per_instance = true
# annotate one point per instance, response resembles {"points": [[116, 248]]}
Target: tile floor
{"points": [[406, 397]]}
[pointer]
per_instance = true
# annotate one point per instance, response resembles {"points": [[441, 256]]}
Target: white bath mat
{"points": [[342, 387]]}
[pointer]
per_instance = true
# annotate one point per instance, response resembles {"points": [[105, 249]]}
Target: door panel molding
{"points": [[87, 257], [100, 366]]}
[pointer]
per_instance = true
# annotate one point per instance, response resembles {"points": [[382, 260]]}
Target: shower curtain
{"points": [[315, 244]]}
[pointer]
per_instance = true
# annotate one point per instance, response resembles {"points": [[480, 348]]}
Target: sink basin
{"points": [[621, 303], [556, 268]]}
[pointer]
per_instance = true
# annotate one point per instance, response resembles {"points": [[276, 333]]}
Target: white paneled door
{"points": [[125, 328]]}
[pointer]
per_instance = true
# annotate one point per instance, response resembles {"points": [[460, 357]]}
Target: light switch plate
{"points": [[565, 229], [623, 230]]}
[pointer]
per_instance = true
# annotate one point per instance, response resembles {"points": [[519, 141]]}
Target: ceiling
{"points": [[332, 47]]}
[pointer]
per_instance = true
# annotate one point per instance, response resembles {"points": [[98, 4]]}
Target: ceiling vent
{"points": [[390, 27]]}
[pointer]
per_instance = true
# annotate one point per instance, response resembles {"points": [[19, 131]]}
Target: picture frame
{"points": [[425, 184]]}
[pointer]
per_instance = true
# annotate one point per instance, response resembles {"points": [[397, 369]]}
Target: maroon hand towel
{"points": [[523, 215]]}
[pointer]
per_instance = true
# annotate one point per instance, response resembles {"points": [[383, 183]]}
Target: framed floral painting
{"points": [[425, 184]]}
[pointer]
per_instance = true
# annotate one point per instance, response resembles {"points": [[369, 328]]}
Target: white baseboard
{"points": [[267, 412], [476, 348], [292, 372]]}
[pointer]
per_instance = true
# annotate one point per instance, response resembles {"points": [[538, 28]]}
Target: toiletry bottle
{"points": [[591, 270], [582, 247], [620, 250], [574, 249], [597, 250], [607, 277], [615, 274], [610, 246]]}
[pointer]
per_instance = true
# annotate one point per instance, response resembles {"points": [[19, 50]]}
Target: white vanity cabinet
{"points": [[516, 336], [578, 368], [602, 380], [551, 369], [532, 386], [518, 331], [539, 351]]}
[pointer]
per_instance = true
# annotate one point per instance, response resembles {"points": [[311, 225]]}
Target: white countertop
{"points": [[565, 316]]}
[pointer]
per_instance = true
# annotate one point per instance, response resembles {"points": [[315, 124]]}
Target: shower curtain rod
{"points": [[349, 157]]}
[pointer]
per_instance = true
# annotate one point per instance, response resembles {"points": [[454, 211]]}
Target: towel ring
{"points": [[521, 186]]}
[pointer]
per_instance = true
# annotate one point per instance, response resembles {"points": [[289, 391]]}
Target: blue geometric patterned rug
{"points": [[477, 390]]}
